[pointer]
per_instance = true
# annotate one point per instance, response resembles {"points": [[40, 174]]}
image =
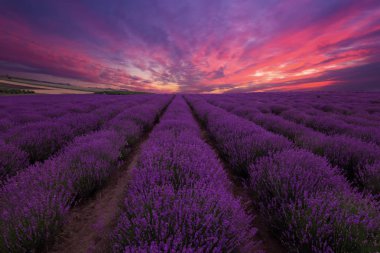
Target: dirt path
{"points": [[269, 244], [89, 225]]}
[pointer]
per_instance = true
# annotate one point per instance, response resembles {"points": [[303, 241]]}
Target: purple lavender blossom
{"points": [[308, 204], [350, 154], [33, 204], [179, 199]]}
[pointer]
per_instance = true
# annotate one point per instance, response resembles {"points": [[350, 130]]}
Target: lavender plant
{"points": [[178, 199], [39, 140], [306, 202], [350, 154], [33, 204]]}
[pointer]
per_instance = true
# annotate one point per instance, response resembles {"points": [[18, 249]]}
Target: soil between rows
{"points": [[89, 225], [269, 243]]}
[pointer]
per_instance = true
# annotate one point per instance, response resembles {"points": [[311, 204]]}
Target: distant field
{"points": [[41, 89], [302, 170], [4, 85], [44, 87]]}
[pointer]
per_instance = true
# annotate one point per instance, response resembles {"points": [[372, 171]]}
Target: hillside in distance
{"points": [[20, 85]]}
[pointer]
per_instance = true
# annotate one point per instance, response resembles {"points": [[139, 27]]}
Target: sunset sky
{"points": [[207, 46]]}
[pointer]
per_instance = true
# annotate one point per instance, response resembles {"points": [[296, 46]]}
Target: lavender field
{"points": [[253, 172]]}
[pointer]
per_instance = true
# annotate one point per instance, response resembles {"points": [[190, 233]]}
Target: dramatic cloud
{"points": [[195, 45]]}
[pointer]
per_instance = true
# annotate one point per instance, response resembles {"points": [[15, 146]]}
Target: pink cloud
{"points": [[213, 46]]}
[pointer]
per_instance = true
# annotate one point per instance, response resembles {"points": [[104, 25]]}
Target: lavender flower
{"points": [[178, 199], [33, 204]]}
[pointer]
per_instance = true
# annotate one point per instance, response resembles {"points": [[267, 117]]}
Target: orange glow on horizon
{"points": [[227, 52]]}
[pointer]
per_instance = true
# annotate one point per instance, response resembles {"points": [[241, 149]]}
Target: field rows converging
{"points": [[179, 199], [322, 118], [38, 108], [358, 160], [190, 126], [36, 141], [296, 172], [35, 202], [307, 203]]}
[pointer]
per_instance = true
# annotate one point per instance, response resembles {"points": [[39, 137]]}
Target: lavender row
{"points": [[305, 201], [178, 199], [64, 118], [321, 121], [21, 110], [358, 108], [359, 161], [331, 125], [351, 116], [363, 105], [33, 204], [37, 141], [231, 133]]}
